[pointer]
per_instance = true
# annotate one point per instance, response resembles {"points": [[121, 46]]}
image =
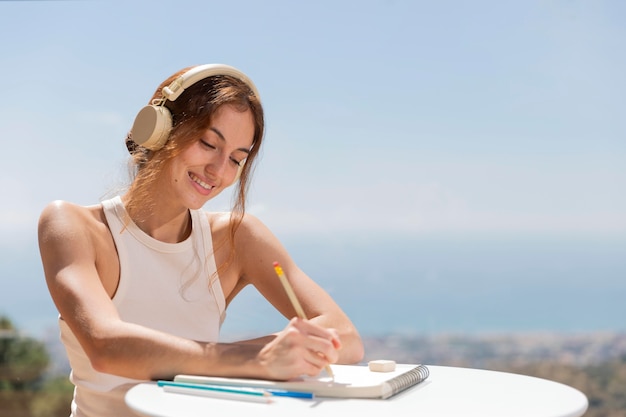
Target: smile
{"points": [[200, 182]]}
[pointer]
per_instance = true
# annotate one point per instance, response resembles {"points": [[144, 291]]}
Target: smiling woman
{"points": [[142, 281]]}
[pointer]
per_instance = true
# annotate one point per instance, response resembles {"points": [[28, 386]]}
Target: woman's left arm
{"points": [[256, 251]]}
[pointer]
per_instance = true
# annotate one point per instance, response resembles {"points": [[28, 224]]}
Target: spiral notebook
{"points": [[350, 381]]}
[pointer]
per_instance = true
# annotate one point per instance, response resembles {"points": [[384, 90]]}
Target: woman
{"points": [[142, 281]]}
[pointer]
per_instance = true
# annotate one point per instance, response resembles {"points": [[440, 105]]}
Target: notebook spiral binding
{"points": [[408, 379]]}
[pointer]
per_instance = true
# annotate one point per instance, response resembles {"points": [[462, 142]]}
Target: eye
{"points": [[207, 144], [238, 163]]}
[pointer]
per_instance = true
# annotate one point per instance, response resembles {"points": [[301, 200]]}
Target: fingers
{"points": [[335, 340], [322, 343], [302, 348]]}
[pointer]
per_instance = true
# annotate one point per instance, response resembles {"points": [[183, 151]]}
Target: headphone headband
{"points": [[195, 74]]}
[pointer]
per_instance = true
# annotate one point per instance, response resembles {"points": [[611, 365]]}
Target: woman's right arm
{"points": [[70, 247]]}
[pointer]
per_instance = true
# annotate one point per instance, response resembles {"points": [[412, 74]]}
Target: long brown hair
{"points": [[191, 117]]}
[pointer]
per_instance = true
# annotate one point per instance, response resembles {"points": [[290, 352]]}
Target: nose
{"points": [[218, 166]]}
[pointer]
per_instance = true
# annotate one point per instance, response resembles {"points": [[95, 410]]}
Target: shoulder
{"points": [[62, 219], [64, 211], [58, 208], [249, 227]]}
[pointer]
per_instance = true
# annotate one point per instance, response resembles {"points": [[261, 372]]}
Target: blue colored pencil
{"points": [[230, 389]]}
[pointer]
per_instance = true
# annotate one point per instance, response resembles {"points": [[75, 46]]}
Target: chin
{"points": [[197, 204]]}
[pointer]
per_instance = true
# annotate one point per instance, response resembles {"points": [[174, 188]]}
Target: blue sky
{"points": [[407, 119], [402, 117]]}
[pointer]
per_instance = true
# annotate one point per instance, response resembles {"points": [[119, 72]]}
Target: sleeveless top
{"points": [[171, 287]]}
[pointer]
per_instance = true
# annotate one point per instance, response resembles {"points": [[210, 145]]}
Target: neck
{"points": [[167, 224]]}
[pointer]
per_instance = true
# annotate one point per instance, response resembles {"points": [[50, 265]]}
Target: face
{"points": [[210, 164]]}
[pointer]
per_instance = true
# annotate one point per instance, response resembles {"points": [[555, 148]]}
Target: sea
{"points": [[409, 285]]}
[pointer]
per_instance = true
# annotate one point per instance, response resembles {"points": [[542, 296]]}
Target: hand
{"points": [[302, 348]]}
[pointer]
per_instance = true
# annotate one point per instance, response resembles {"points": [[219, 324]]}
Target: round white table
{"points": [[448, 391]]}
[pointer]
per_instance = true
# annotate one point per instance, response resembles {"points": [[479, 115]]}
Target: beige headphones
{"points": [[153, 123]]}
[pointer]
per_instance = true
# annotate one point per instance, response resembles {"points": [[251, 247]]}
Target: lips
{"points": [[201, 183]]}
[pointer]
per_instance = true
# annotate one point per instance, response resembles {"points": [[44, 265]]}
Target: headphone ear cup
{"points": [[152, 127]]}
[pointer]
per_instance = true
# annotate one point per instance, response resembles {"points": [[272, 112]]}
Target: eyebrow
{"points": [[221, 136]]}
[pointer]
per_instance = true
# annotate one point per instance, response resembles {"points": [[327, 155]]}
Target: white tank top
{"points": [[172, 287]]}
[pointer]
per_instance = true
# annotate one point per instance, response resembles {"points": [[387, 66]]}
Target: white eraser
{"points": [[382, 365]]}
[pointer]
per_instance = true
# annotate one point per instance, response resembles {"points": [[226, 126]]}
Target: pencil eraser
{"points": [[382, 365]]}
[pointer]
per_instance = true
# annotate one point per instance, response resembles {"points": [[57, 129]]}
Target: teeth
{"points": [[200, 182]]}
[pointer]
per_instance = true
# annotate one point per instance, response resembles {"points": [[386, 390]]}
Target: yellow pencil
{"points": [[295, 302]]}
